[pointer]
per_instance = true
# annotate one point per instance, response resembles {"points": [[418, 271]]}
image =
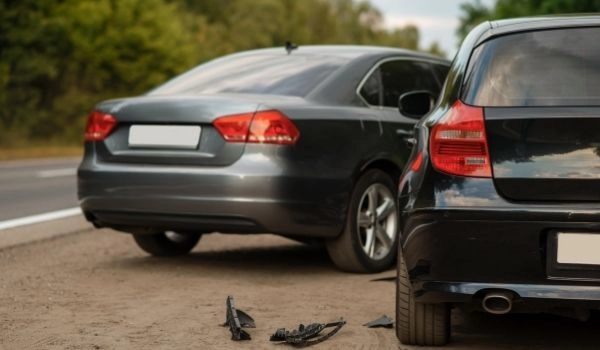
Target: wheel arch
{"points": [[384, 164]]}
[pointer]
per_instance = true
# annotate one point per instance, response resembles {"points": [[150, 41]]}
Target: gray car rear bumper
{"points": [[224, 199]]}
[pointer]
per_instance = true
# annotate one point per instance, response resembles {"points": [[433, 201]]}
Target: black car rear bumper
{"points": [[463, 292], [453, 255]]}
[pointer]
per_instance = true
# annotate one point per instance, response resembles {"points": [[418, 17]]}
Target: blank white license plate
{"points": [[578, 248], [164, 136]]}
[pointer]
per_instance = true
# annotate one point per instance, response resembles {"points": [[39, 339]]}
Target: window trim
{"points": [[389, 59]]}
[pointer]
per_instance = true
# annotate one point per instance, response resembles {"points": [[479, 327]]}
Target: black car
{"points": [[500, 201], [304, 142]]}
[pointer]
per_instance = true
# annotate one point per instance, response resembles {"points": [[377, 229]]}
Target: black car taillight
{"points": [[270, 126], [99, 126], [458, 143]]}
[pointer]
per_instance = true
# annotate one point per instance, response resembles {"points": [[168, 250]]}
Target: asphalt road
{"points": [[33, 187]]}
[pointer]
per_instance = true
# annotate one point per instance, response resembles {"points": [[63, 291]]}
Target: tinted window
{"points": [[541, 68], [399, 77], [371, 89], [393, 78], [265, 73]]}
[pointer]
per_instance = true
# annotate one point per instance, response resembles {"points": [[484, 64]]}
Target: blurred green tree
{"points": [[60, 57], [471, 15], [475, 12]]}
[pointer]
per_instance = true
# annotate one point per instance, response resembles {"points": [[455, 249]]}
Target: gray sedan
{"points": [[302, 142]]}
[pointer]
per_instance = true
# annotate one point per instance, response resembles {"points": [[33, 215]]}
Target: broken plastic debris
{"points": [[307, 335], [236, 320], [383, 321]]}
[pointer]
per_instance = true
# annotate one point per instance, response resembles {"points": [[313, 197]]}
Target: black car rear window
{"points": [[260, 73], [559, 67]]}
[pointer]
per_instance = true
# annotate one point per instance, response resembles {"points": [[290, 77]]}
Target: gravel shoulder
{"points": [[94, 289]]}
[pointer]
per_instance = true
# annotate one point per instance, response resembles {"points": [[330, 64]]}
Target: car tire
{"points": [[167, 243], [419, 323], [370, 238]]}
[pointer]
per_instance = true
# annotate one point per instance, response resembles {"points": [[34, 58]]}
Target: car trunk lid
{"points": [[175, 130], [545, 153]]}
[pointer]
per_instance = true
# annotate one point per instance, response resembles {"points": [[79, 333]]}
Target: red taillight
{"points": [[234, 128], [416, 164], [273, 127], [264, 127], [458, 143], [99, 126]]}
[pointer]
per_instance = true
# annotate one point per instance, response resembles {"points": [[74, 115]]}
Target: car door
{"points": [[381, 89]]}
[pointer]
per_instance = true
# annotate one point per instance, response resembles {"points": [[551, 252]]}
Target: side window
{"points": [[371, 89], [401, 76]]}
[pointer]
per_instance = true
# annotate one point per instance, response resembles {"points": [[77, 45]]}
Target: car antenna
{"points": [[289, 47]]}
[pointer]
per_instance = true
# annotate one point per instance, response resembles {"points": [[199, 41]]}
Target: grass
{"points": [[31, 152]]}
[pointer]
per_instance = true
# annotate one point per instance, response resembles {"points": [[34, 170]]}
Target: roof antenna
{"points": [[289, 47]]}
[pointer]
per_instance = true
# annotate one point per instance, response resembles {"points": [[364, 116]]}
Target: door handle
{"points": [[403, 132], [407, 136]]}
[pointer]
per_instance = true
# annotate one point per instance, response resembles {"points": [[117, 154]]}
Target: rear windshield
{"points": [[264, 73], [541, 68]]}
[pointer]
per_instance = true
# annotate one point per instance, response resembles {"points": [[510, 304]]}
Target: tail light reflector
{"points": [[458, 143], [234, 128], [270, 126], [416, 164], [99, 126]]}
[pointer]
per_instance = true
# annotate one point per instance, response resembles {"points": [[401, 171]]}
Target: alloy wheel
{"points": [[377, 221]]}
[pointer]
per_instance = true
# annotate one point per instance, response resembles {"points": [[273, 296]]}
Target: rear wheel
{"points": [[370, 238], [417, 323], [167, 243]]}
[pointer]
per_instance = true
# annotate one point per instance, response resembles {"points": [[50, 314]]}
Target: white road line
{"points": [[36, 219], [57, 172]]}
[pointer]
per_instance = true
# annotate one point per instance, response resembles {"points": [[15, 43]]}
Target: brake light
{"points": [[234, 128], [458, 143], [270, 126], [416, 164], [99, 126]]}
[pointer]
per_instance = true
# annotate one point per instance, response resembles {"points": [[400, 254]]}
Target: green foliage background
{"points": [[475, 12], [60, 57]]}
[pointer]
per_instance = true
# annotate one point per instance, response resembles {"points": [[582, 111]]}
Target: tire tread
{"points": [[419, 323]]}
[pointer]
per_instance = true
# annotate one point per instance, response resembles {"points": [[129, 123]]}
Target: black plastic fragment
{"points": [[245, 320], [383, 321], [307, 335], [236, 320]]}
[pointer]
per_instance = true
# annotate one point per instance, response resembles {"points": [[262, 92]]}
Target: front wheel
{"points": [[167, 243], [370, 237]]}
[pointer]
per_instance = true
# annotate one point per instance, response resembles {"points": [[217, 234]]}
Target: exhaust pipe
{"points": [[497, 303]]}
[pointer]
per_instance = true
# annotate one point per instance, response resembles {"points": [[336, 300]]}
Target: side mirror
{"points": [[416, 104]]}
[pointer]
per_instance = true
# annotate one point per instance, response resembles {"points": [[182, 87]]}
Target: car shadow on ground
{"points": [[477, 330], [289, 257], [293, 257]]}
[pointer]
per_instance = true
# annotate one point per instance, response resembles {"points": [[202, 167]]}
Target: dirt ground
{"points": [[97, 290]]}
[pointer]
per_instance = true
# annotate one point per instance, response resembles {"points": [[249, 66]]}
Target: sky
{"points": [[437, 19]]}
